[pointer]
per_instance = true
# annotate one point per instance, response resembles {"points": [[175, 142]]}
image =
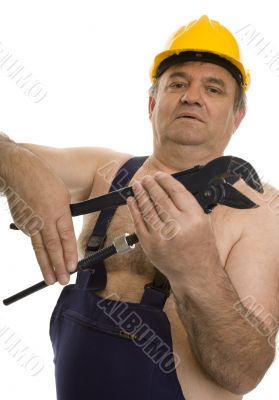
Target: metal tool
{"points": [[209, 184]]}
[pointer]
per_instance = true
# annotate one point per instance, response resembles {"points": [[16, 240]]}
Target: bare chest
{"points": [[129, 272]]}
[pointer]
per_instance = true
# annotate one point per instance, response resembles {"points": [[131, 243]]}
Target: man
{"points": [[222, 267]]}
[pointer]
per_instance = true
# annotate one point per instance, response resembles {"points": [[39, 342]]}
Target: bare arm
{"points": [[46, 180], [39, 204], [233, 346], [76, 166], [232, 316], [223, 333]]}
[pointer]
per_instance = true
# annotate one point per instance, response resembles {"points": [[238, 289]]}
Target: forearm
{"points": [[7, 148], [227, 346], [12, 155]]}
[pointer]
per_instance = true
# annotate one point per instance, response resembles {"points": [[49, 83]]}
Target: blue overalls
{"points": [[107, 349]]}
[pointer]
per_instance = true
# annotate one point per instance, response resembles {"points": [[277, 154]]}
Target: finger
{"points": [[160, 198], [180, 196], [146, 207], [139, 222], [66, 232], [43, 259], [52, 243]]}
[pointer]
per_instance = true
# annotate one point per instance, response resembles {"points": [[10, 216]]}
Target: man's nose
{"points": [[192, 95]]}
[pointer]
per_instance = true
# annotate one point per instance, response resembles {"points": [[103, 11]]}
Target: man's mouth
{"points": [[190, 116]]}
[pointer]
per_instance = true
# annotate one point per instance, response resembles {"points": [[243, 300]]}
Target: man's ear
{"points": [[151, 105], [238, 117]]}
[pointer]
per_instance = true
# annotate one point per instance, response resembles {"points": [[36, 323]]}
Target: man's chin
{"points": [[187, 138]]}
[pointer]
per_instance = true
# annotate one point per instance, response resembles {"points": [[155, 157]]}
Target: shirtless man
{"points": [[215, 263]]}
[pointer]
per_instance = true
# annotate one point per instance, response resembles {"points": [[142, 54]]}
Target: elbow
{"points": [[247, 381], [243, 387], [238, 387], [243, 380]]}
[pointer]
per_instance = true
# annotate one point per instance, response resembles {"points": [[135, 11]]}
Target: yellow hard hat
{"points": [[202, 40]]}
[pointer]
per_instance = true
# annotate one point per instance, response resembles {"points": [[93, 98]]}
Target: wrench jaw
{"points": [[243, 169], [234, 198], [212, 184], [222, 192], [221, 168], [225, 166]]}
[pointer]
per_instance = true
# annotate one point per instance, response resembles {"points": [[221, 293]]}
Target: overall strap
{"points": [[97, 279], [156, 292]]}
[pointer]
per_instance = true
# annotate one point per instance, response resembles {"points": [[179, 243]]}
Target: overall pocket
{"points": [[86, 322]]}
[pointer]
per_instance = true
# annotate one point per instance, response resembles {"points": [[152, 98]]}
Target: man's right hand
{"points": [[48, 179], [44, 193]]}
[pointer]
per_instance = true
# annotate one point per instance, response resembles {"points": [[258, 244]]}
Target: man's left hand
{"points": [[173, 230]]}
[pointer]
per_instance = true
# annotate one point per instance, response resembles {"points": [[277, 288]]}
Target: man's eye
{"points": [[177, 85], [214, 90]]}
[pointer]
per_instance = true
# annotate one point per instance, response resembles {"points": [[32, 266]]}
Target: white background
{"points": [[93, 59]]}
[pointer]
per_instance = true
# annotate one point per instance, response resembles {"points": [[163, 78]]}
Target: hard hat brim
{"points": [[171, 57]]}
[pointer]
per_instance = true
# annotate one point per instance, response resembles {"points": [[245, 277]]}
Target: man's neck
{"points": [[159, 161]]}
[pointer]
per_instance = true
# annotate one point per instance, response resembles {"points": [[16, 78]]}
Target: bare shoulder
{"points": [[109, 162], [243, 230], [268, 211], [107, 156], [259, 237], [259, 226], [97, 162]]}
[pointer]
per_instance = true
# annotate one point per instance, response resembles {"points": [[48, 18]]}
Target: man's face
{"points": [[194, 106]]}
